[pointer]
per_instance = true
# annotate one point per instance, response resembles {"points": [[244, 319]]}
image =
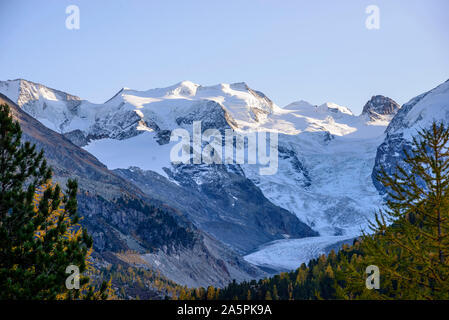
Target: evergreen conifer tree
{"points": [[409, 242], [39, 231]]}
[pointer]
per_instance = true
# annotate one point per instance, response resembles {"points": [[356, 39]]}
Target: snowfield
{"points": [[116, 153]]}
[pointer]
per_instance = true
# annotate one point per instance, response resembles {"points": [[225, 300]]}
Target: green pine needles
{"points": [[410, 242], [40, 235]]}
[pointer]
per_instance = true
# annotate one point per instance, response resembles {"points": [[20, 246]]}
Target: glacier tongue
{"points": [[289, 254]]}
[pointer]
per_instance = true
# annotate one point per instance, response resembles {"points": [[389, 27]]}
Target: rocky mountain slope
{"points": [[380, 108], [322, 182], [122, 218], [227, 205], [414, 115]]}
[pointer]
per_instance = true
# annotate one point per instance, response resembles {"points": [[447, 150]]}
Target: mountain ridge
{"points": [[416, 114], [326, 156]]}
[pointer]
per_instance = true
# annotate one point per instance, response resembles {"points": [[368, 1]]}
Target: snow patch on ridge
{"points": [[116, 153]]}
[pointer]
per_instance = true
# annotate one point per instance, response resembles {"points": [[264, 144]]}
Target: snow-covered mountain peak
{"points": [[188, 84], [23, 91], [52, 107], [299, 105], [302, 116], [325, 108], [335, 108], [183, 89], [131, 111], [305, 106], [165, 108], [421, 111], [242, 106]]}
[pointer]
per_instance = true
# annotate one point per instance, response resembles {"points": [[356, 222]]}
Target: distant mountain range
{"points": [[195, 222]]}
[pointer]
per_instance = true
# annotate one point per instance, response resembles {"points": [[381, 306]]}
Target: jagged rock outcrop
{"points": [[379, 106]]}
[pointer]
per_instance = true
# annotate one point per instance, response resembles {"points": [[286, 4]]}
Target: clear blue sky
{"points": [[312, 50]]}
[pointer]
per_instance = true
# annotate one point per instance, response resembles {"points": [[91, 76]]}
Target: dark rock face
{"points": [[163, 137], [120, 125], [77, 137], [221, 201], [212, 116], [389, 154], [380, 105], [302, 174], [152, 227]]}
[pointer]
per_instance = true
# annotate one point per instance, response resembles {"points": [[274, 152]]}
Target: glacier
{"points": [[326, 153], [289, 254]]}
